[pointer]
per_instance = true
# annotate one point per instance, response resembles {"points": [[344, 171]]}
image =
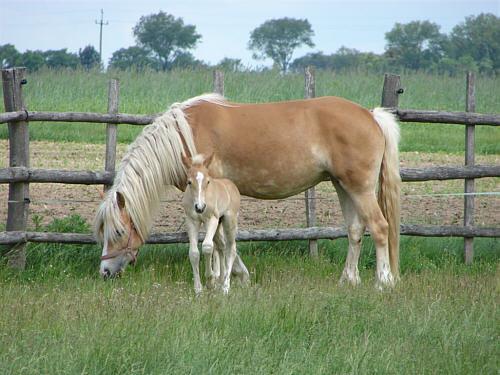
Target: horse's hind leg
{"points": [[218, 255], [355, 231], [239, 269], [370, 213], [229, 223]]}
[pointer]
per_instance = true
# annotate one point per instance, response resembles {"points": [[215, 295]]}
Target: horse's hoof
{"points": [[352, 280], [384, 282]]}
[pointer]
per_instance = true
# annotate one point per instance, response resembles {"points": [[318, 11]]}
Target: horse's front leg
{"points": [[208, 249], [193, 228]]}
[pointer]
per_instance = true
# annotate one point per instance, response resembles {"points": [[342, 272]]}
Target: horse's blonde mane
{"points": [[152, 162]]}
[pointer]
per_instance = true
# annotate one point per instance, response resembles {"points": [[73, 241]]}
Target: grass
{"points": [[58, 317], [153, 92]]}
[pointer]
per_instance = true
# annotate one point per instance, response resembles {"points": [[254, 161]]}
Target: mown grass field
{"points": [[59, 317]]}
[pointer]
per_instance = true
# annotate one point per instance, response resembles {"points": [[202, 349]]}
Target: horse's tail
{"points": [[390, 183]]}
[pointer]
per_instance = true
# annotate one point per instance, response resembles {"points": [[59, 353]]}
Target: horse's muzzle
{"points": [[199, 208]]}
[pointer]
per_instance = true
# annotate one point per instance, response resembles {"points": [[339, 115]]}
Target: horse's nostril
{"points": [[106, 273]]}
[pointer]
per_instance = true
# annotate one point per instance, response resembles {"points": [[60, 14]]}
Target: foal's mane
{"points": [[152, 162]]}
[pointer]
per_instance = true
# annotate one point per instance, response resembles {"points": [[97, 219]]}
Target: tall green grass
{"points": [[152, 92], [59, 317]]}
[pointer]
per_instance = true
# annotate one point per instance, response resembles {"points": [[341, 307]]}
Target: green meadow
{"points": [[59, 317]]}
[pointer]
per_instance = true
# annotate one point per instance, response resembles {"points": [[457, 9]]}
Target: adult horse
{"points": [[269, 151]]}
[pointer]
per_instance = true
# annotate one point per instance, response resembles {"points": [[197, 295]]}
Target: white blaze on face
{"points": [[199, 178]]}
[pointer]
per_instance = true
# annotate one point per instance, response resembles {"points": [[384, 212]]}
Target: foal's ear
{"points": [[120, 199], [208, 160], [186, 160]]}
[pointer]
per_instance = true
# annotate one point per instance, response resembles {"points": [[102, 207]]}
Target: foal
{"points": [[214, 202]]}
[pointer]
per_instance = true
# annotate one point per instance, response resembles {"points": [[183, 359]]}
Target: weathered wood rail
{"points": [[404, 115], [23, 174], [19, 174], [290, 234]]}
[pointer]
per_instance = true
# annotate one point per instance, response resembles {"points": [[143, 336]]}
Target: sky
{"points": [[225, 25]]}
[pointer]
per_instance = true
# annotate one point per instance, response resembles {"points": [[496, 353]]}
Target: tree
{"points": [[415, 45], [133, 57], [479, 38], [56, 59], [166, 36], [33, 60], [9, 56], [89, 57], [230, 65], [277, 40], [186, 60]]}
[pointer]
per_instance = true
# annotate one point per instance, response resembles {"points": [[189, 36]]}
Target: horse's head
{"points": [[198, 179], [116, 230]]}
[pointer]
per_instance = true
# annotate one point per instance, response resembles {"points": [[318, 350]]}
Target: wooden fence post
{"points": [[111, 129], [18, 204], [310, 194], [392, 89], [218, 82], [470, 106]]}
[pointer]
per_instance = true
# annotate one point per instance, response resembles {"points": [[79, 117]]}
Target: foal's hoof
{"points": [[211, 282]]}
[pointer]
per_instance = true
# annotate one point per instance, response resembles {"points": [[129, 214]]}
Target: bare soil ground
{"points": [[420, 205]]}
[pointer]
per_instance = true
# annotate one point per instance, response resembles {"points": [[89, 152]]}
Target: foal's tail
{"points": [[390, 183]]}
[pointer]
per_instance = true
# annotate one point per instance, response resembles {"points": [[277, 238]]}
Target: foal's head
{"points": [[198, 179]]}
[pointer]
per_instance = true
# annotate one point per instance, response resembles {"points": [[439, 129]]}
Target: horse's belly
{"points": [[268, 185]]}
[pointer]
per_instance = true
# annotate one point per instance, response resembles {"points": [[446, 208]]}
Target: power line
{"points": [[101, 23]]}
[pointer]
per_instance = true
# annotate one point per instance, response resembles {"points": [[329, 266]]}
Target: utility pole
{"points": [[101, 23]]}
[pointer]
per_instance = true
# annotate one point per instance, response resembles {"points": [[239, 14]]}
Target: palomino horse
{"points": [[214, 202], [269, 151]]}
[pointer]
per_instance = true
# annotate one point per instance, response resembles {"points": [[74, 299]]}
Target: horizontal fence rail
{"points": [[21, 174], [459, 118], [404, 115], [91, 117], [310, 233]]}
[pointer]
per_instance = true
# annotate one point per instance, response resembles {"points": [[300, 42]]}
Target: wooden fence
{"points": [[19, 174]]}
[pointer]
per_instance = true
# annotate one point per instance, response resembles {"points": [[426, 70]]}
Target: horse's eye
{"points": [[208, 182], [189, 182], [119, 233]]}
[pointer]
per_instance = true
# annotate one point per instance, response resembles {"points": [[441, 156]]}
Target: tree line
{"points": [[164, 42]]}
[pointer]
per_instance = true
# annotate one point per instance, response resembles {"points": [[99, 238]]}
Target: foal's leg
{"points": [[230, 225], [355, 231], [193, 228], [239, 269], [219, 263], [208, 248], [367, 206]]}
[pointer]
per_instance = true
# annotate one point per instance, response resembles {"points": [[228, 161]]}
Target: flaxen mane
{"points": [[152, 162]]}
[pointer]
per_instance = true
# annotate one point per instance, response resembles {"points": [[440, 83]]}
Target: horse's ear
{"points": [[120, 199], [186, 161], [208, 160]]}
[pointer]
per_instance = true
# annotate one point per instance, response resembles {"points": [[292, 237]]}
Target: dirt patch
{"points": [[420, 204]]}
